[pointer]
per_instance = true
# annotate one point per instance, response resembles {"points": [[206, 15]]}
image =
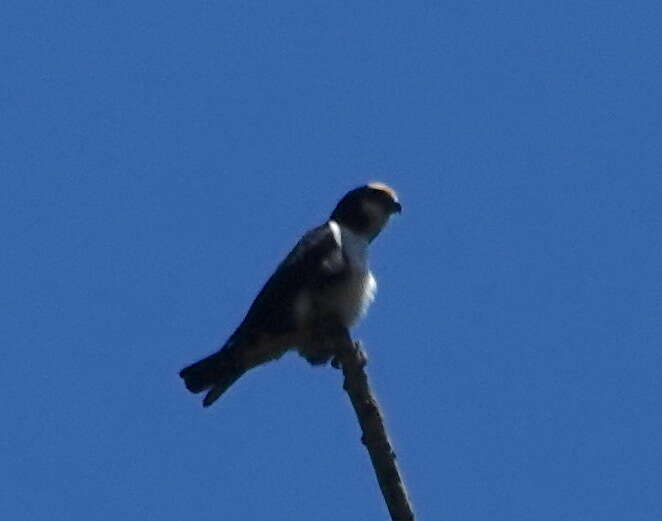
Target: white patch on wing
{"points": [[335, 230]]}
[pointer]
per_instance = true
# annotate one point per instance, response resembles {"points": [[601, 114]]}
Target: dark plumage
{"points": [[321, 287]]}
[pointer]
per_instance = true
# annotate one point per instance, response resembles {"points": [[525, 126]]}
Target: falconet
{"points": [[319, 291]]}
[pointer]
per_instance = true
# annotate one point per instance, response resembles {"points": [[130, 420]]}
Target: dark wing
{"points": [[315, 261]]}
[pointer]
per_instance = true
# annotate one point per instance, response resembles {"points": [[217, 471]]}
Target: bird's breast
{"points": [[350, 300], [357, 291], [349, 296], [347, 299]]}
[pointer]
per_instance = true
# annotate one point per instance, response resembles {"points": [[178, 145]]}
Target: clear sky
{"points": [[158, 160]]}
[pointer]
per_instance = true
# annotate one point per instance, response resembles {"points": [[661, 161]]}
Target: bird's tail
{"points": [[214, 374]]}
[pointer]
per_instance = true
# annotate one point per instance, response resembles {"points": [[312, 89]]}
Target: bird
{"points": [[319, 291]]}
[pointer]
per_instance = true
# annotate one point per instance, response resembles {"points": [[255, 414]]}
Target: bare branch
{"points": [[352, 360]]}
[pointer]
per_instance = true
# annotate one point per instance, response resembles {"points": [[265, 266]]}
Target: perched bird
{"points": [[321, 289]]}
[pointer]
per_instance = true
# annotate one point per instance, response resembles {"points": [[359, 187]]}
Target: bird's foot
{"points": [[354, 351]]}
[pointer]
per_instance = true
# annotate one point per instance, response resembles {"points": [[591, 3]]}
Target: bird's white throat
{"points": [[361, 287]]}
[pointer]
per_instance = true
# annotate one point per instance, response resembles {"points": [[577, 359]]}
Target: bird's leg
{"points": [[321, 344]]}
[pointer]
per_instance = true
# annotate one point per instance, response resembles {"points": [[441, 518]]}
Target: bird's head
{"points": [[365, 210]]}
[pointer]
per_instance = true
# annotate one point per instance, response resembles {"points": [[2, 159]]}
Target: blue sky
{"points": [[158, 160]]}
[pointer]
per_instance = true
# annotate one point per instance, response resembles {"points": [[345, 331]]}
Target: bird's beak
{"points": [[396, 208]]}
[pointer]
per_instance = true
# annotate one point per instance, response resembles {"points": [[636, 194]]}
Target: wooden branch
{"points": [[352, 360]]}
